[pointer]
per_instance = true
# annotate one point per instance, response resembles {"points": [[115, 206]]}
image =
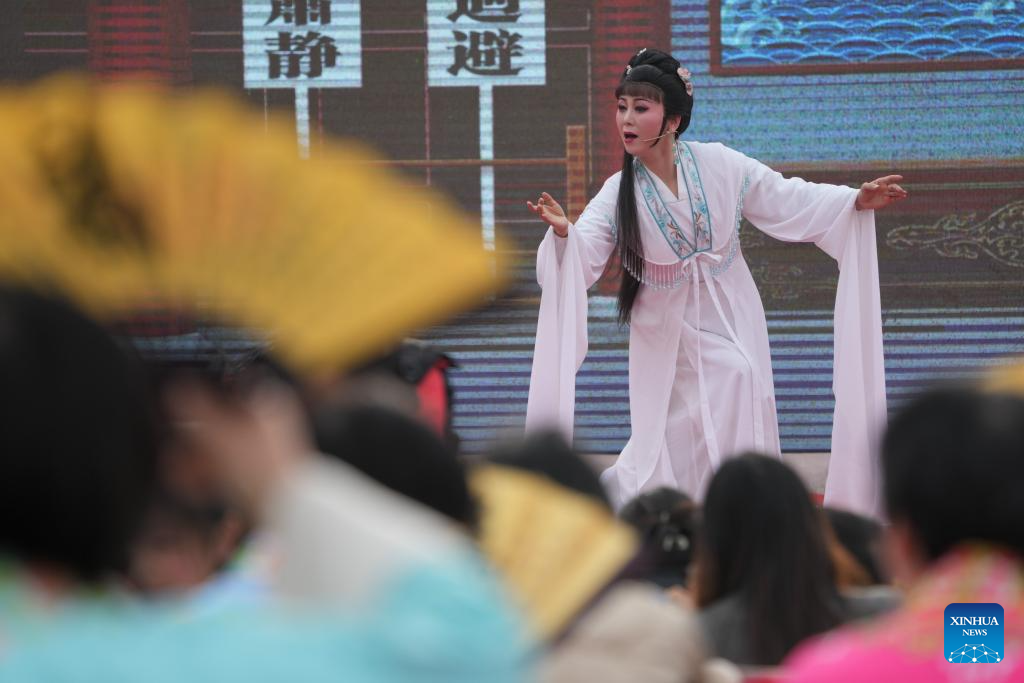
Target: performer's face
{"points": [[639, 121]]}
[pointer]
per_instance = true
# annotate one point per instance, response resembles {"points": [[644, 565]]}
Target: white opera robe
{"points": [[700, 376]]}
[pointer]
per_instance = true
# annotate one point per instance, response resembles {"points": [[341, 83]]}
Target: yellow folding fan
{"points": [[555, 548], [121, 195], [1007, 378]]}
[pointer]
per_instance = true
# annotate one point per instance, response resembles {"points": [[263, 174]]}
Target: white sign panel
{"points": [[302, 43], [485, 42]]}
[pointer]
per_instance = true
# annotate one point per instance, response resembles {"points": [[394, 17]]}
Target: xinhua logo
{"points": [[974, 633]]}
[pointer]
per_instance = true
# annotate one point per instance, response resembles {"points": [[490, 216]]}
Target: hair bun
{"points": [[663, 61]]}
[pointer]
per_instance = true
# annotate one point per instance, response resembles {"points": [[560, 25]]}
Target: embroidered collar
{"points": [[685, 243]]}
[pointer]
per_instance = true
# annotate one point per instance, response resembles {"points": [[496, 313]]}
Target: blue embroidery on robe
{"points": [[734, 240], [684, 244]]}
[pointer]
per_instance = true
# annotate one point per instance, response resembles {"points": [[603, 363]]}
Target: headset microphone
{"points": [[671, 132]]}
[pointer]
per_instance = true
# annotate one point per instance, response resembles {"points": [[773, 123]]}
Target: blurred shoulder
{"points": [[841, 656]]}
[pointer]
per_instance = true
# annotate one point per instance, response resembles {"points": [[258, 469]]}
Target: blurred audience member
{"points": [[377, 589], [861, 537], [765, 580], [562, 553], [631, 635], [547, 525], [78, 448], [549, 456], [421, 370], [182, 545], [666, 521], [846, 570], [399, 452], [953, 476]]}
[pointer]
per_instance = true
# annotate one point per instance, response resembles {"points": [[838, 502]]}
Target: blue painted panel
{"points": [[853, 117], [802, 32]]}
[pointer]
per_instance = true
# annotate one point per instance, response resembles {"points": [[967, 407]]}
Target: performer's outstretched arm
{"points": [[841, 221], [570, 259]]}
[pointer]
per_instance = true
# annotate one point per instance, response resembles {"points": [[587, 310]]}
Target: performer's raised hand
{"points": [[551, 213], [880, 193]]}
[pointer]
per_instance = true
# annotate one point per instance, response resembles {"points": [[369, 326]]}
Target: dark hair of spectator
{"points": [[953, 467], [666, 520], [762, 541], [548, 455], [861, 537], [399, 452], [78, 443]]}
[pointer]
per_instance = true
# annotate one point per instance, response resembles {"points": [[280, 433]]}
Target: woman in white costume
{"points": [[700, 377]]}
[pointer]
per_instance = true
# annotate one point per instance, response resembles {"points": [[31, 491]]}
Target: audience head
{"points": [[953, 467], [399, 452], [547, 454], [861, 538], [411, 378], [666, 521], [256, 422], [78, 448], [762, 541]]}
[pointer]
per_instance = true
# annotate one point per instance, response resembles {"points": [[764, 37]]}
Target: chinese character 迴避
{"points": [[487, 53]]}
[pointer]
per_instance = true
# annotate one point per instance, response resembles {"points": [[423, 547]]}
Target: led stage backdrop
{"points": [[495, 101], [800, 36]]}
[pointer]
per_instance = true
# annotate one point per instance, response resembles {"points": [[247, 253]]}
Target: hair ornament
{"points": [[687, 78], [629, 67], [675, 541]]}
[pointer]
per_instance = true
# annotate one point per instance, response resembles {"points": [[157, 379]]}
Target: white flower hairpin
{"points": [[687, 78]]}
